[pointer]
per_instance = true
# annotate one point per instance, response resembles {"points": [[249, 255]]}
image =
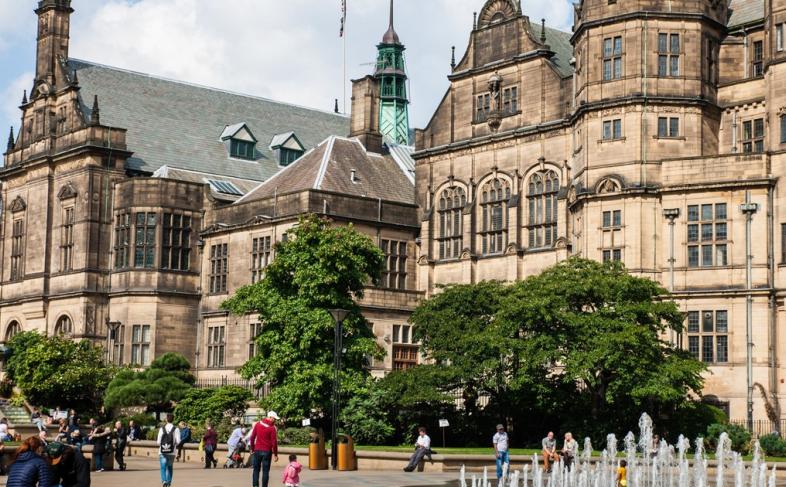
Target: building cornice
{"points": [[644, 14]]}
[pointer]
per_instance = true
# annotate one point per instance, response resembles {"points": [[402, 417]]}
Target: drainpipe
{"points": [[773, 315], [734, 132], [746, 56], [749, 209], [671, 214]]}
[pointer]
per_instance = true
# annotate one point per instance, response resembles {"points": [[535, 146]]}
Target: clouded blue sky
{"points": [[288, 50]]}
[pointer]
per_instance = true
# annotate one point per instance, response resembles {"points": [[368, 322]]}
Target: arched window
{"points": [[64, 326], [542, 198], [13, 328], [450, 208], [494, 197]]}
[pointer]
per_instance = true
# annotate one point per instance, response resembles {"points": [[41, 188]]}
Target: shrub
{"points": [[773, 445], [739, 436], [200, 405], [295, 436]]}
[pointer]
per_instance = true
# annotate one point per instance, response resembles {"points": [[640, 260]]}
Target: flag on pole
{"points": [[343, 17]]}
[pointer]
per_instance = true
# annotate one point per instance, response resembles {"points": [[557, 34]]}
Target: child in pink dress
{"points": [[291, 476]]}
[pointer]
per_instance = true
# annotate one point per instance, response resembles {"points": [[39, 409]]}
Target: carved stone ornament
{"points": [[495, 115], [496, 11], [90, 319], [17, 205], [572, 195], [67, 191], [608, 186], [782, 112]]}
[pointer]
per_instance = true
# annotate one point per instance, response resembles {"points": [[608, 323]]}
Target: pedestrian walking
{"points": [[210, 440], [69, 467], [29, 469], [422, 448], [291, 476], [264, 444], [99, 439], [501, 451], [168, 438], [185, 437], [120, 436]]}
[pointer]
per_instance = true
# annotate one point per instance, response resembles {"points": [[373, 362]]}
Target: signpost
{"points": [[443, 423]]}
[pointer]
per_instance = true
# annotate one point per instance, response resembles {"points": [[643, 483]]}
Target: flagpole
{"points": [[344, 79]]}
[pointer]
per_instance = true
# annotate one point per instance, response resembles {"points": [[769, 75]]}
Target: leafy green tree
{"points": [[57, 371], [601, 332], [322, 266], [158, 387], [201, 405]]}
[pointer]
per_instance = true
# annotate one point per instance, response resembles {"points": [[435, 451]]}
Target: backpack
{"points": [[167, 441]]}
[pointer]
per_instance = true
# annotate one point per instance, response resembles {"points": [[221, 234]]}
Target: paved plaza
{"points": [[145, 473]]}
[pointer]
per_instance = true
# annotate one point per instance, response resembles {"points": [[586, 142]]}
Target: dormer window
{"points": [[240, 142], [287, 148]]}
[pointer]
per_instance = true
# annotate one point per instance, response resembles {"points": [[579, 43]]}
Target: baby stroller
{"points": [[235, 459]]}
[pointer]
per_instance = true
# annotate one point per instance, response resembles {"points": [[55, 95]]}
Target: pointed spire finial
{"points": [[391, 14], [390, 36], [24, 98], [453, 57], [543, 31], [95, 115], [335, 109], [11, 141]]}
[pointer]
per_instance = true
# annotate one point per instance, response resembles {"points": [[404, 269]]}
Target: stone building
{"points": [[654, 134]]}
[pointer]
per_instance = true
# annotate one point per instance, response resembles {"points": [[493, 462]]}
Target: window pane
{"points": [[675, 43], [617, 218], [706, 255], [675, 66], [706, 349], [706, 232], [662, 127], [693, 321], [617, 129], [693, 346], [606, 255], [721, 321], [674, 127], [721, 257], [607, 48], [720, 231], [693, 213], [707, 322], [693, 256], [720, 211], [693, 233], [663, 41], [606, 218], [663, 65], [706, 212], [722, 343], [606, 130], [758, 128], [617, 46]]}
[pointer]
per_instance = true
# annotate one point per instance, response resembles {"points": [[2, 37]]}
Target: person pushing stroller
{"points": [[236, 445]]}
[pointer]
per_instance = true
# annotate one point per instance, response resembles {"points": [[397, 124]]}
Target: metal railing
{"points": [[226, 381], [761, 427]]}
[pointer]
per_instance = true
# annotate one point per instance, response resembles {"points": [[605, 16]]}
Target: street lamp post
{"points": [[749, 209], [338, 317]]}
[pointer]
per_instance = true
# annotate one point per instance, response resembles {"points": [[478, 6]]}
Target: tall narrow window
{"points": [[668, 55], [542, 200], [215, 346], [510, 100], [707, 235], [483, 107], [255, 329], [122, 240], [67, 240], [779, 37], [17, 249], [783, 243], [708, 338], [494, 198], [753, 136], [758, 58], [783, 129], [612, 58], [13, 329], [119, 345], [261, 249], [219, 260], [140, 345], [145, 250], [176, 242], [394, 276], [611, 235], [450, 210]]}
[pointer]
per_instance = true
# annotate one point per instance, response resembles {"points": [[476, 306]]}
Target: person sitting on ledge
{"points": [[422, 448], [549, 452]]}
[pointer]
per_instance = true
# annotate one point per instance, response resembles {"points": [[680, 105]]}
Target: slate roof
{"points": [[179, 125], [559, 42], [329, 167], [243, 185], [744, 12]]}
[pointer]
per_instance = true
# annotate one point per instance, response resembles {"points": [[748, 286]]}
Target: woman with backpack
{"points": [[168, 439], [210, 439]]}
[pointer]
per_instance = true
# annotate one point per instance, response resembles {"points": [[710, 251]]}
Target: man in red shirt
{"points": [[264, 444]]}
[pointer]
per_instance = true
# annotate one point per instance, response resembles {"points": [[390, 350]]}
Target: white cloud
{"points": [[287, 50]]}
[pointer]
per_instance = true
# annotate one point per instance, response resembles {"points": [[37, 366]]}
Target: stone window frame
{"points": [[119, 345], [543, 208], [176, 229], [17, 249], [707, 334], [141, 338], [145, 247], [757, 59], [782, 120], [493, 218], [611, 226], [753, 134], [219, 268], [510, 100], [394, 274], [612, 130], [667, 129], [707, 235], [64, 325], [13, 328], [779, 33], [67, 239], [669, 54], [405, 350], [612, 54], [450, 219], [216, 346], [254, 330], [122, 239], [261, 256], [482, 106]]}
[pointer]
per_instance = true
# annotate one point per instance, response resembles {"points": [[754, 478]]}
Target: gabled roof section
{"points": [[232, 132], [287, 140], [743, 12], [175, 124], [343, 165]]}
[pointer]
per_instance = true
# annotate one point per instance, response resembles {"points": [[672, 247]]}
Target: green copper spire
{"points": [[392, 75]]}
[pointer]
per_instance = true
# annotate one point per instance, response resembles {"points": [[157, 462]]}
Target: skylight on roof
{"points": [[224, 187]]}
